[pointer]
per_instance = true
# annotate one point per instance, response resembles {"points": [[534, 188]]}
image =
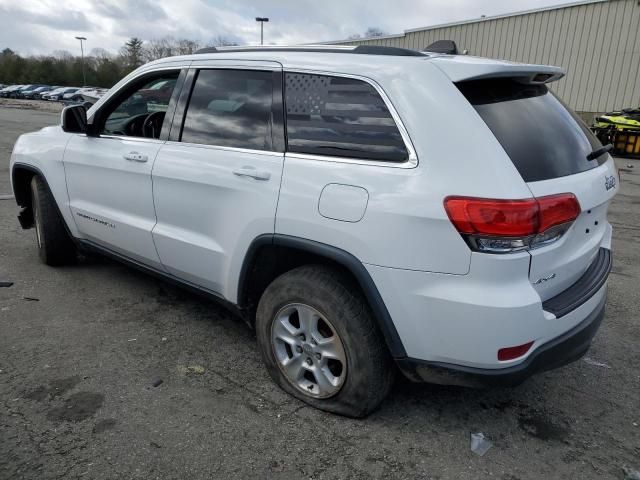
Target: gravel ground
{"points": [[80, 348]]}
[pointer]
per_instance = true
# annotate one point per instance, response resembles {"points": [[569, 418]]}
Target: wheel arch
{"points": [[271, 255], [21, 175]]}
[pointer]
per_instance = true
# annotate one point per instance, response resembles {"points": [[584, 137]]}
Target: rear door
{"points": [[549, 145], [217, 179]]}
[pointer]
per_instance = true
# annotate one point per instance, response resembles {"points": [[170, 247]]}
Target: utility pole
{"points": [[84, 78], [262, 20]]}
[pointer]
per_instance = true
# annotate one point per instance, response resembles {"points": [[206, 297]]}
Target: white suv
{"points": [[361, 207]]}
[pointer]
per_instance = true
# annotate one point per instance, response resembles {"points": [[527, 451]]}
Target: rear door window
{"points": [[543, 137], [230, 108], [339, 116]]}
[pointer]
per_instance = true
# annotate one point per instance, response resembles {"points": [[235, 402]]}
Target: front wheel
{"points": [[55, 246], [320, 343]]}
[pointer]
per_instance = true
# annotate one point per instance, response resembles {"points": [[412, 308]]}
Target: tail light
{"points": [[504, 226]]}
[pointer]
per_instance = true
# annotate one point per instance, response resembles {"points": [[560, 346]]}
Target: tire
{"points": [[54, 244], [345, 331]]}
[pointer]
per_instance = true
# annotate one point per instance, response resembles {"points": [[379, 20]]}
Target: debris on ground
{"points": [[191, 369], [5, 284], [132, 340], [631, 474], [31, 299], [595, 363], [197, 369], [629, 165], [156, 381], [479, 444]]}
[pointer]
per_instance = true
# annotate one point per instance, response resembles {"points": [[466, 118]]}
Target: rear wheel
{"points": [[55, 247], [320, 343]]}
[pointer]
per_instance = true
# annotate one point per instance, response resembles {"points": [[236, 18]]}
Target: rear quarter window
{"points": [[337, 116], [543, 137]]}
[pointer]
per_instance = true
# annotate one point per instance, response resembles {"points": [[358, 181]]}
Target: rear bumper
{"points": [[560, 351]]}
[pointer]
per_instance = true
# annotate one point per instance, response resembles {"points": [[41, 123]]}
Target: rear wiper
{"points": [[598, 152]]}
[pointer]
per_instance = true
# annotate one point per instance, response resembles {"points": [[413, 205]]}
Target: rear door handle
{"points": [[135, 157], [252, 172]]}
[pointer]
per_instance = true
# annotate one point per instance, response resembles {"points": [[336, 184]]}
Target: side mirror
{"points": [[74, 119]]}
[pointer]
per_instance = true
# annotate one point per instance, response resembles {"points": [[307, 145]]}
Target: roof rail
{"points": [[360, 49]]}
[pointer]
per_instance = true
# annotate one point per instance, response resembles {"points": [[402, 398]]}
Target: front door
{"points": [[109, 175], [216, 180]]}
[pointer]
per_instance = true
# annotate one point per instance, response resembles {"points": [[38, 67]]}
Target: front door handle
{"points": [[135, 157], [252, 172]]}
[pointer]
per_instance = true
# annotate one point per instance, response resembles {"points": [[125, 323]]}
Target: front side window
{"points": [[230, 108], [142, 111], [340, 116]]}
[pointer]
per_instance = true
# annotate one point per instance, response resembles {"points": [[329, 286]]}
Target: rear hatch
{"points": [[550, 147]]}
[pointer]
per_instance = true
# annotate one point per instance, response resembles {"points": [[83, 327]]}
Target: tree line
{"points": [[101, 68]]}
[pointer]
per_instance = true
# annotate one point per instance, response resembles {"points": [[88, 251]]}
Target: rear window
{"points": [[339, 116], [542, 136]]}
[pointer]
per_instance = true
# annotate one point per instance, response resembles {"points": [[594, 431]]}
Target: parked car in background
{"points": [[20, 93], [36, 92], [27, 93], [16, 92], [78, 95], [9, 92], [6, 90], [56, 95], [94, 94]]}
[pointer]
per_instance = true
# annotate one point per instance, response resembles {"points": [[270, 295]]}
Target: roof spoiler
{"points": [[443, 46], [463, 68]]}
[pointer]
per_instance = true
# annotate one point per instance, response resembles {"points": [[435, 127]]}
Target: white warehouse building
{"points": [[597, 42]]}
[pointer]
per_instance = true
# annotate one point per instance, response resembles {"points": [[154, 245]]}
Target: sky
{"points": [[40, 27]]}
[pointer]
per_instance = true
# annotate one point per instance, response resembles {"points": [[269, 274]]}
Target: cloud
{"points": [[59, 19], [42, 26]]}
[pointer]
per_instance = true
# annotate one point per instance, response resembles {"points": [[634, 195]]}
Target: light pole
{"points": [[262, 20], [84, 78]]}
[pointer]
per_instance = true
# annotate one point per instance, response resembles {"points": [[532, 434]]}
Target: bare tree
{"points": [[186, 47], [62, 54], [100, 53], [374, 32], [159, 48], [221, 41]]}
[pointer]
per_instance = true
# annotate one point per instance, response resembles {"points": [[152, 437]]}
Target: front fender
{"points": [[42, 152]]}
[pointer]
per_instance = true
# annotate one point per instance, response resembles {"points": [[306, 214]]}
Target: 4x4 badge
{"points": [[609, 182]]}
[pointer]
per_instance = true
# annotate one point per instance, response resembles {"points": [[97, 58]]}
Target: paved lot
{"points": [[76, 369]]}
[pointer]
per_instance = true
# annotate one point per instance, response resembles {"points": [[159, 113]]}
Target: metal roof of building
{"points": [[470, 21]]}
